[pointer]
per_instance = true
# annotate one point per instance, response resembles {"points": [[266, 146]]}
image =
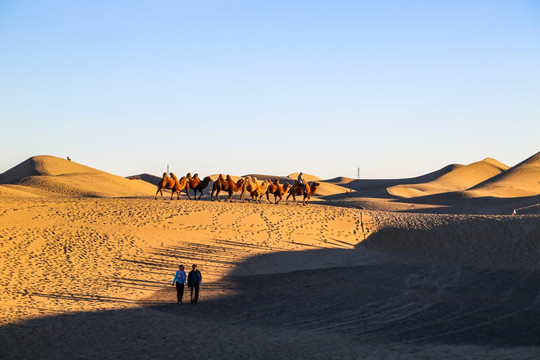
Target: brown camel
{"points": [[201, 186], [277, 190], [227, 185], [170, 182], [180, 185], [193, 182], [165, 183], [298, 189]]}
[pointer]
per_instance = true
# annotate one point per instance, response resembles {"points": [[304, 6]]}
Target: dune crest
{"points": [[55, 175], [519, 181], [459, 179], [306, 177]]}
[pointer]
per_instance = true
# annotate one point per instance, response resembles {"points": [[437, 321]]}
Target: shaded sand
{"points": [[340, 180], [90, 277], [292, 279]]}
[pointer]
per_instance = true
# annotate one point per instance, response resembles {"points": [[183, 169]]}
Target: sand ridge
{"points": [[461, 178], [86, 267]]}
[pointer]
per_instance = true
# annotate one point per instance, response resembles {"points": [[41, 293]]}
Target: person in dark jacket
{"points": [[194, 281], [180, 280]]}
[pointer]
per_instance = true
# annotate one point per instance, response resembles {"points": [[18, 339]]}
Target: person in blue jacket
{"points": [[194, 281], [180, 280]]}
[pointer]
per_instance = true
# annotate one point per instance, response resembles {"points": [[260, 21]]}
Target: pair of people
{"points": [[194, 280]]}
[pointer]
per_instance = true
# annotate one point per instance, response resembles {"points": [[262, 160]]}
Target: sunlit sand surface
{"points": [[431, 267]]}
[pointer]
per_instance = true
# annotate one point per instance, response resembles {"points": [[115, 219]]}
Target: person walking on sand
{"points": [[194, 281], [180, 280]]}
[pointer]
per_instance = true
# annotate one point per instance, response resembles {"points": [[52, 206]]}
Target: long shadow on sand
{"points": [[392, 303]]}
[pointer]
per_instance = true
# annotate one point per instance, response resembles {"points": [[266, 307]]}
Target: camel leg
{"points": [[217, 195], [288, 196], [277, 197], [187, 193], [230, 195]]}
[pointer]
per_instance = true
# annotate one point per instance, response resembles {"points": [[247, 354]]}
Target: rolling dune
{"points": [[56, 175], [461, 178], [519, 181], [87, 260]]}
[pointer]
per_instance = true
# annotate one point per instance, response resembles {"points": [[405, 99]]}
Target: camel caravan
{"points": [[250, 185]]}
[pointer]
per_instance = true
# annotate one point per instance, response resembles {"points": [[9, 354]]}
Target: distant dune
{"points": [[458, 179], [306, 177], [519, 181], [449, 186], [340, 180], [60, 176], [152, 179]]}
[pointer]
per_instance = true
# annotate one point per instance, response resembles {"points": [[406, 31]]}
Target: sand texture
{"points": [[434, 267]]}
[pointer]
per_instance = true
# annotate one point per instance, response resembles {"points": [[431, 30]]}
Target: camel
{"points": [[165, 183], [179, 186], [193, 182], [171, 182], [227, 185], [277, 190], [298, 189], [201, 186], [258, 194], [251, 186]]}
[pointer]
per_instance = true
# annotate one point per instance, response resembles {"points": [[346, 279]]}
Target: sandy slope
{"points": [[519, 181], [83, 255], [461, 178], [56, 175], [90, 277]]}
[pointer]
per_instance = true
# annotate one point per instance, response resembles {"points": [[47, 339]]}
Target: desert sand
{"points": [[430, 267]]}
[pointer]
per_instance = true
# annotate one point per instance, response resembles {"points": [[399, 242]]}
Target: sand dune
{"points": [[340, 180], [460, 178], [307, 177], [519, 181], [104, 263], [86, 267], [152, 179], [56, 175]]}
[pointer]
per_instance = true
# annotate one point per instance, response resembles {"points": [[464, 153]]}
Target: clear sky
{"points": [[396, 88]]}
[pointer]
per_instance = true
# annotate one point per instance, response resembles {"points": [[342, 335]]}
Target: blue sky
{"points": [[397, 88]]}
